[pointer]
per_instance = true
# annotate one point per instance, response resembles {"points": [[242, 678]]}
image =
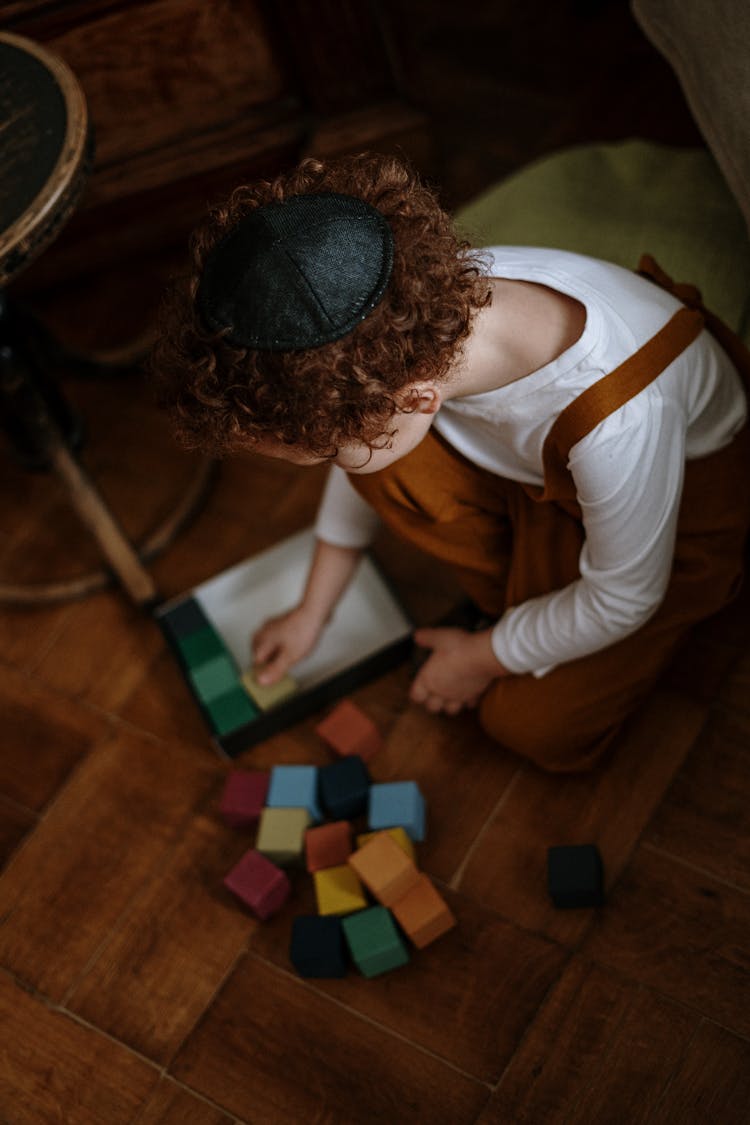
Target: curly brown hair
{"points": [[223, 397]]}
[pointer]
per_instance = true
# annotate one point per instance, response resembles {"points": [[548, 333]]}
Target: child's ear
{"points": [[423, 397]]}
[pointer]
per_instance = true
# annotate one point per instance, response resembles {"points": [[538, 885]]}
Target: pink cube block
{"points": [[244, 797], [260, 884]]}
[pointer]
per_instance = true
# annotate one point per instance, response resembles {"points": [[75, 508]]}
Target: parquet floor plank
{"points": [[102, 840], [602, 1050], [679, 931], [468, 998], [56, 1070], [45, 736], [609, 806], [704, 818], [272, 1050]]}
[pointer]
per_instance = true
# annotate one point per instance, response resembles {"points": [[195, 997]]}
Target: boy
{"points": [[562, 432]]}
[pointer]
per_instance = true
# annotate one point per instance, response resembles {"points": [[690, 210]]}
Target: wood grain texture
{"points": [[172, 1104], [616, 1050], [160, 971], [677, 930], [468, 998], [55, 1070], [102, 840], [271, 1050], [44, 738], [608, 806]]}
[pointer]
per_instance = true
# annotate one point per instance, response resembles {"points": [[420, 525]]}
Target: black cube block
{"points": [[575, 875], [343, 788], [318, 948]]}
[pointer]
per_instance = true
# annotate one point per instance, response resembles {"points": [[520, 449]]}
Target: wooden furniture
{"points": [[188, 99], [45, 152]]}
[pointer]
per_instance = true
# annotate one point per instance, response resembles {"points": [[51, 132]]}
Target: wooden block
{"points": [[244, 797], [347, 730], [384, 869], [231, 711], [214, 678], [295, 787], [317, 947], [344, 787], [338, 890], [374, 941], [575, 876], [397, 803], [259, 884], [200, 647], [398, 834], [329, 845], [423, 914], [281, 834], [268, 695]]}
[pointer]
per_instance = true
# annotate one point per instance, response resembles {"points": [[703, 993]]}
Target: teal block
{"points": [[201, 647], [214, 678], [374, 941], [232, 710]]}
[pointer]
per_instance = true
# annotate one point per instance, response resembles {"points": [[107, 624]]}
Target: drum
{"points": [[46, 149]]}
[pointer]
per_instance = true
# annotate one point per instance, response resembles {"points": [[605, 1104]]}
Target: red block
{"points": [[347, 730], [330, 845], [260, 884], [244, 797]]}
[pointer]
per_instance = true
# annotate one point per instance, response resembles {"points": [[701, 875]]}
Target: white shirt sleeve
{"points": [[344, 518], [628, 473]]}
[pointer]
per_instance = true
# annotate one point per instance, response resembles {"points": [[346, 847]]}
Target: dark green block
{"points": [[214, 678], [232, 710], [198, 648], [374, 941]]}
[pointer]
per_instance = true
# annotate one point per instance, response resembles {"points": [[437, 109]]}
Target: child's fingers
{"points": [[273, 670]]}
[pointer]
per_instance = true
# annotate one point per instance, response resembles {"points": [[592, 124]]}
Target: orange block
{"points": [[329, 845], [423, 914], [384, 868], [347, 730]]}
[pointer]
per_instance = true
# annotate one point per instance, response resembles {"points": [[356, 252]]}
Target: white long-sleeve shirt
{"points": [[628, 470]]}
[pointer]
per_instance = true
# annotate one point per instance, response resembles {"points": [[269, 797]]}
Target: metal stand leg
{"points": [[41, 429]]}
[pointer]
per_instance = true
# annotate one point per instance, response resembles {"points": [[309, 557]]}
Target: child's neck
{"points": [[525, 327]]}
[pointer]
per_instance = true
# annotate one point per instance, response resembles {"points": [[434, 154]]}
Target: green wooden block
{"points": [[214, 678], [281, 834], [199, 648], [374, 941], [232, 710]]}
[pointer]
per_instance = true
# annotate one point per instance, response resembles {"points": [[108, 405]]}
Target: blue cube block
{"points": [[344, 787], [318, 948], [398, 804], [294, 787]]}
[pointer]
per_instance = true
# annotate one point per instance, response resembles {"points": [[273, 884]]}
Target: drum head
{"points": [[43, 149]]}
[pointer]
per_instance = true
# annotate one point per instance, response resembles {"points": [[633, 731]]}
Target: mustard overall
{"points": [[507, 542]]}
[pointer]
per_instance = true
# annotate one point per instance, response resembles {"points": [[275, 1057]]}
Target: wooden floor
{"points": [[135, 991]]}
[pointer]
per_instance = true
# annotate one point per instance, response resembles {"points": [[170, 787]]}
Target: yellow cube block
{"points": [[401, 837], [281, 834], [268, 695], [338, 890]]}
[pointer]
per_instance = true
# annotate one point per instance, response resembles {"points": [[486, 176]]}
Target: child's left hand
{"points": [[461, 667]]}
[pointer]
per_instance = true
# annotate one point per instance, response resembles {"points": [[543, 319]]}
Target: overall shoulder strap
{"points": [[608, 394]]}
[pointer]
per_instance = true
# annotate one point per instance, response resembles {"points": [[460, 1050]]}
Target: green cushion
{"points": [[618, 201]]}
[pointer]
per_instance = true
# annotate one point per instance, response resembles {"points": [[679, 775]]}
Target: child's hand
{"points": [[281, 642], [461, 667]]}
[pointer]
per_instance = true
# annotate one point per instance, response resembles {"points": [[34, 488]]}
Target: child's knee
{"points": [[553, 737]]}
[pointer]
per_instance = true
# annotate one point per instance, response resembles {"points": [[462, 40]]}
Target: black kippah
{"points": [[297, 274]]}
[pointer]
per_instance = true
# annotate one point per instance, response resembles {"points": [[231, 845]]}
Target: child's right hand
{"points": [[282, 641]]}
